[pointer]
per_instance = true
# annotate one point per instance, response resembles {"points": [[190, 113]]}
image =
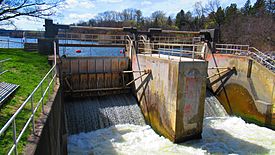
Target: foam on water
{"points": [[221, 135]]}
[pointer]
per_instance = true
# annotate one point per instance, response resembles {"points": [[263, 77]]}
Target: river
{"points": [[8, 42]]}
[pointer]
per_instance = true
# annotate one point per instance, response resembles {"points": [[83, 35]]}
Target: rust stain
{"points": [[241, 103]]}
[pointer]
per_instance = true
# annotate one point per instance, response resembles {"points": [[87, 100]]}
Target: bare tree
{"points": [[199, 10], [10, 9], [212, 6]]}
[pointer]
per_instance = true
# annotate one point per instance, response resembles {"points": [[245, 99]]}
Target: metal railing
{"points": [[86, 38], [51, 76], [263, 59], [172, 39], [9, 43], [231, 48], [246, 50], [2, 71], [194, 51]]}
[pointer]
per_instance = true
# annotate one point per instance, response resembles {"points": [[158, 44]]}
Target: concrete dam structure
{"points": [[249, 91], [126, 91]]}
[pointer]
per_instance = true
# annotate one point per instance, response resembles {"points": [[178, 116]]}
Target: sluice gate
{"points": [[98, 94]]}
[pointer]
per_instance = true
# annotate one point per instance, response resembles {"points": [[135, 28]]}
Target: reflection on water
{"points": [[221, 135]]}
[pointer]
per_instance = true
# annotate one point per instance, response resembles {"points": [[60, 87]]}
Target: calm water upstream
{"points": [[7, 42]]}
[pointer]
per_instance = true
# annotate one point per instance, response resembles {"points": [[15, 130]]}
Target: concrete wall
{"points": [[251, 97], [172, 96], [46, 46], [53, 137]]}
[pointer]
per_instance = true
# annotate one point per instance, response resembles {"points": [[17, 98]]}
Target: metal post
{"points": [[159, 50], [181, 47], [33, 123], [193, 53], [14, 136], [42, 97], [168, 52], [49, 86], [152, 49], [172, 50], [123, 81]]}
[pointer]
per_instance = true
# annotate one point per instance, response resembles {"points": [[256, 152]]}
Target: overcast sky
{"points": [[83, 10]]}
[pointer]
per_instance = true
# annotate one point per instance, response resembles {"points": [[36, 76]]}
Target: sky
{"points": [[74, 11]]}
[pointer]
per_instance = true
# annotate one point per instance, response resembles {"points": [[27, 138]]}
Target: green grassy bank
{"points": [[25, 69]]}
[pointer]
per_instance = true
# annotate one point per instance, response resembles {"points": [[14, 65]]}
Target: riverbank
{"points": [[25, 69]]}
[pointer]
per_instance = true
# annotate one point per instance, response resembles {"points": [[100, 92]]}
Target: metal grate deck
{"points": [[6, 89]]}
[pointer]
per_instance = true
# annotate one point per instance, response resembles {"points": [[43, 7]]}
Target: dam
{"points": [[152, 92]]}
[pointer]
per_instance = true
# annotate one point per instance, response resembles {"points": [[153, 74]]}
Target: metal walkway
{"points": [[92, 113]]}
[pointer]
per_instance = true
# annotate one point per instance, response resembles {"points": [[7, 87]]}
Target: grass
{"points": [[25, 69]]}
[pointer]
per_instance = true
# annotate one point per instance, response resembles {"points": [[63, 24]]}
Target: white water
{"points": [[221, 135]]}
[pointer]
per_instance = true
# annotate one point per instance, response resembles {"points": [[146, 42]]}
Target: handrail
{"points": [[97, 28], [1, 61], [232, 45], [2, 40], [176, 45], [252, 52], [197, 49], [12, 122], [268, 57], [1, 70], [263, 60]]}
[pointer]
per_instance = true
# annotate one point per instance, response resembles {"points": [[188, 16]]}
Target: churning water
{"points": [[221, 135], [92, 113], [212, 106]]}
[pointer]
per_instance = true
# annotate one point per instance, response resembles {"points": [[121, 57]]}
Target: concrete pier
{"points": [[172, 96]]}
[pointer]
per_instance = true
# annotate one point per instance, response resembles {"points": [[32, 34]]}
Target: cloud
{"points": [[84, 16], [146, 2], [111, 1], [86, 4]]}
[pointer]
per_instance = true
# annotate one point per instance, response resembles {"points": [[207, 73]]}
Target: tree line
{"points": [[251, 24]]}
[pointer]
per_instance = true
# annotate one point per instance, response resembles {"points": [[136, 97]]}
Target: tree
{"points": [[246, 10], [138, 16], [231, 12], [10, 9], [198, 9], [270, 5], [259, 8], [180, 20], [169, 21], [128, 14], [199, 19], [215, 12], [212, 6], [159, 19]]}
